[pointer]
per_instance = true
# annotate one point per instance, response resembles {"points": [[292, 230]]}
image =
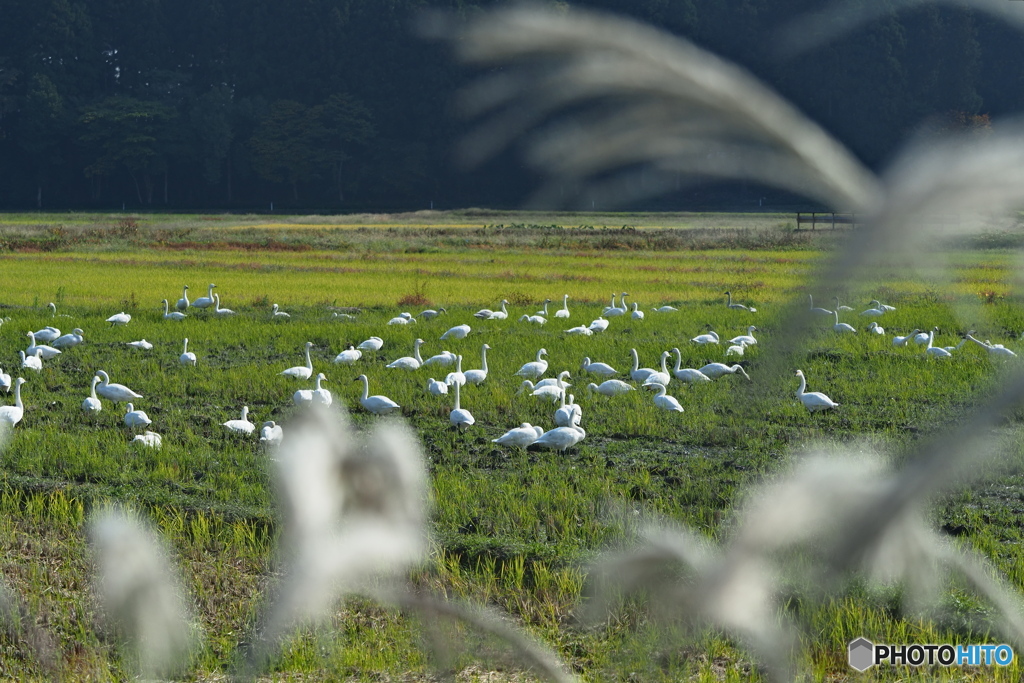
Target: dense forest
{"points": [[338, 105]]}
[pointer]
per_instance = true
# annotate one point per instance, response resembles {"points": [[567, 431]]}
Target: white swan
{"points": [[611, 387], [44, 351], [149, 440], [544, 312], [558, 381], [5, 381], [172, 315], [738, 307], [444, 358], [921, 338], [271, 433], [403, 319], [838, 307], [663, 400], [660, 377], [563, 312], [33, 362], [457, 378], [183, 303], [135, 418], [205, 301], [371, 344], [301, 371], [187, 357], [886, 307], [600, 369], [745, 339], [12, 414], [319, 395], [611, 307], [716, 370], [140, 344], [121, 318], [664, 309], [412, 362], [935, 351], [561, 438], [689, 375], [47, 334], [437, 387], [488, 314], [875, 328], [639, 374], [902, 341], [736, 350], [706, 338], [118, 393], [577, 410], [815, 400], [457, 332], [817, 311], [92, 404], [218, 311], [430, 313], [477, 376], [460, 418], [68, 340], [995, 350], [568, 414], [614, 311], [241, 426], [277, 314], [535, 319], [534, 369], [378, 405], [579, 331], [875, 311], [521, 436], [842, 328], [548, 392], [599, 325], [348, 356]]}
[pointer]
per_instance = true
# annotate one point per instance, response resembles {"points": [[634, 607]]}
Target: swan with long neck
{"points": [[535, 368], [172, 315], [842, 328], [817, 311], [902, 341], [118, 393], [745, 339], [412, 362], [738, 307], [814, 401], [205, 301], [12, 414], [460, 418], [183, 302], [663, 400], [301, 371], [68, 340], [33, 362], [661, 376], [218, 311], [458, 377], [378, 405], [241, 426], [994, 350], [639, 374], [92, 404], [479, 375], [716, 370], [563, 312], [44, 351], [135, 418], [935, 351], [688, 375], [187, 357]]}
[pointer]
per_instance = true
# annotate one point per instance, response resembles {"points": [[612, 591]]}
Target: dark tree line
{"points": [[337, 105]]}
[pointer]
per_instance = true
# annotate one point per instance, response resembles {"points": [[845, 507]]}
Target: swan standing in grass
{"points": [[688, 375], [121, 318], [92, 404], [118, 393], [745, 339], [875, 311], [149, 440], [241, 426], [301, 371], [371, 344], [12, 414], [348, 356], [457, 332], [639, 374], [218, 311], [47, 334], [187, 357], [706, 338], [818, 311], [544, 311], [579, 331], [44, 351], [995, 350], [182, 304], [563, 312], [412, 362], [271, 434], [738, 307], [535, 368], [430, 313], [444, 358], [599, 325], [437, 387], [842, 328], [477, 376], [135, 418], [549, 392], [611, 387], [535, 319], [140, 344], [636, 314], [902, 341], [460, 418], [568, 414], [33, 362], [488, 314], [660, 376], [68, 340], [716, 370], [935, 351], [576, 409], [875, 328], [614, 311], [663, 400], [5, 381], [378, 405], [815, 400], [458, 377], [172, 315], [522, 436], [561, 438], [600, 369], [277, 314], [205, 301]]}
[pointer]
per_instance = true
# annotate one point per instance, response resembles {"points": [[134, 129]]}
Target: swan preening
{"points": [[521, 436], [815, 400], [149, 440], [271, 434]]}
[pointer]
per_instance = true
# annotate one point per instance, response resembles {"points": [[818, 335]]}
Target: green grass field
{"points": [[512, 530]]}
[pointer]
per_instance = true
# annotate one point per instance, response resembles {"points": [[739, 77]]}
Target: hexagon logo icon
{"points": [[861, 654]]}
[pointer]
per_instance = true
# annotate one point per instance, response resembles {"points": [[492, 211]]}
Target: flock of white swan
{"points": [[567, 431]]}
